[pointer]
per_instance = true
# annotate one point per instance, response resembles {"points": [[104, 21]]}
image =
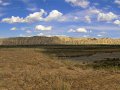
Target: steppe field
{"points": [[60, 67]]}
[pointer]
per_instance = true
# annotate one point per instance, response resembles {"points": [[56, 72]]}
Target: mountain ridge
{"points": [[38, 40]]}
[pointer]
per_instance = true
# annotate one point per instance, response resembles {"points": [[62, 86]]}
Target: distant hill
{"points": [[37, 40]]}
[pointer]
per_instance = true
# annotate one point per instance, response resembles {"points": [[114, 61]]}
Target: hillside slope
{"points": [[56, 40]]}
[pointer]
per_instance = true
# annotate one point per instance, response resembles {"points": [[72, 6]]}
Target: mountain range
{"points": [[43, 40]]}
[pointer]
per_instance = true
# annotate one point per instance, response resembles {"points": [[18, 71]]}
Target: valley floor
{"points": [[28, 69]]}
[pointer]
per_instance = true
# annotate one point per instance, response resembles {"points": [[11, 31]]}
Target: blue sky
{"points": [[74, 18]]}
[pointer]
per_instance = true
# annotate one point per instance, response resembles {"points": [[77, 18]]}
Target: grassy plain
{"points": [[50, 68]]}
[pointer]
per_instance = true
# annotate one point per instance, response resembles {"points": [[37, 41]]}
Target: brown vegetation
{"points": [[28, 69], [56, 40]]}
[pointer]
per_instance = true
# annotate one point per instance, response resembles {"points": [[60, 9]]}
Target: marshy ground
{"points": [[60, 68]]}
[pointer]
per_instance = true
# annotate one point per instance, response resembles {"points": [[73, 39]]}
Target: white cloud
{"points": [[4, 3], [117, 22], [31, 6], [79, 30], [80, 3], [25, 35], [13, 20], [13, 29], [117, 2], [40, 34], [53, 15], [43, 28], [37, 16], [28, 31], [56, 35], [107, 16], [102, 34], [88, 19], [85, 36], [25, 28], [102, 27], [1, 14], [77, 16], [99, 35], [71, 30], [93, 11], [96, 4], [1, 1], [21, 35], [32, 9]]}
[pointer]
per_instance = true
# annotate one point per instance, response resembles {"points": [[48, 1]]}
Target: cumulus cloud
{"points": [[43, 28], [85, 36], [88, 19], [25, 28], [117, 2], [80, 3], [13, 29], [22, 35], [4, 3], [32, 9], [56, 15], [34, 17], [107, 16], [53, 15], [99, 35], [117, 22], [77, 16], [102, 34], [71, 30], [13, 19], [102, 27], [28, 31], [93, 11], [40, 34], [91, 14], [79, 30], [31, 5], [37, 16]]}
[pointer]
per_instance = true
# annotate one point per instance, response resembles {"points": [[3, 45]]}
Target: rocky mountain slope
{"points": [[36, 40]]}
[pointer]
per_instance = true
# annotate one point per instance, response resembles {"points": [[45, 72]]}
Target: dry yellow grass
{"points": [[38, 40], [26, 69]]}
